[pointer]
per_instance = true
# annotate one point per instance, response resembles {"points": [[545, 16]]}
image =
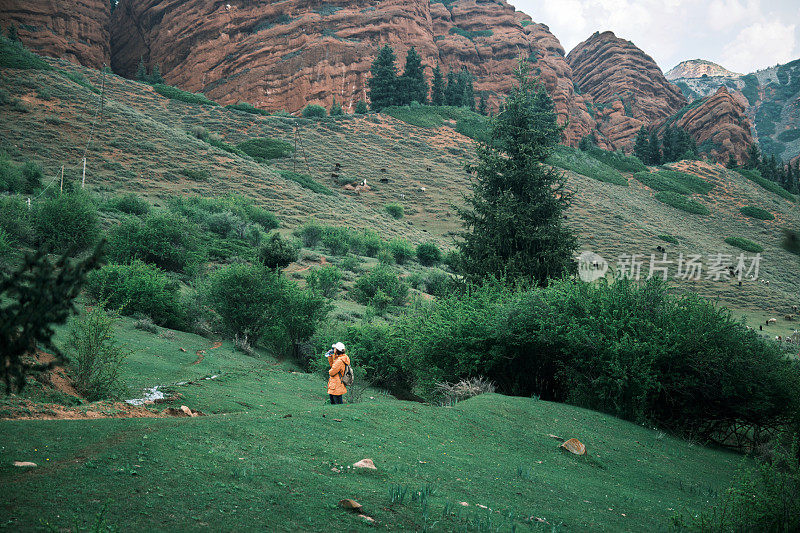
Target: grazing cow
{"points": [[789, 317], [772, 321], [794, 308], [422, 189]]}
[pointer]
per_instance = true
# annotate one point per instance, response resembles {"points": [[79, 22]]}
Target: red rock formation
{"points": [[697, 68], [289, 54], [626, 85], [719, 124], [75, 30]]}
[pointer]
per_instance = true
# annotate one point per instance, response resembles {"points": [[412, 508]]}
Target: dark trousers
{"points": [[335, 399]]}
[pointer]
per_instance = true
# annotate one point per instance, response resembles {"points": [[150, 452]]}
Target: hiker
{"points": [[339, 362]]}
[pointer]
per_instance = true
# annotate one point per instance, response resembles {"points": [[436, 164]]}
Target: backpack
{"points": [[348, 376]]}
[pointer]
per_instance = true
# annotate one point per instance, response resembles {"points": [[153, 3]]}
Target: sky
{"points": [[741, 35]]}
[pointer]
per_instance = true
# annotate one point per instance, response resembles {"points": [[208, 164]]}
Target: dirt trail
{"points": [[201, 353], [322, 262]]}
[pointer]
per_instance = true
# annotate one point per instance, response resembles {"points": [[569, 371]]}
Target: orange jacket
{"points": [[335, 385]]}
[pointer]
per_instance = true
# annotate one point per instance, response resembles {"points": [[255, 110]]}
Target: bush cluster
{"points": [[265, 149], [428, 254], [681, 202], [66, 222], [629, 349], [166, 240], [327, 280], [253, 301], [277, 252], [380, 288], [138, 288], [744, 244], [340, 240]]}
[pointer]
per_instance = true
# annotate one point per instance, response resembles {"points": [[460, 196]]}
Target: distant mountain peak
{"points": [[697, 68]]}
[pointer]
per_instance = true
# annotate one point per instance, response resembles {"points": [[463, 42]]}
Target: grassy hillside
{"points": [[149, 144], [265, 453]]}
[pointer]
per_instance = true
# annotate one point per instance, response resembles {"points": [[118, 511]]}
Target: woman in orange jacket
{"points": [[337, 358]]}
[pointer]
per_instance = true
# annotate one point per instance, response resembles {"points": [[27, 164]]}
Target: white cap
{"points": [[338, 346]]}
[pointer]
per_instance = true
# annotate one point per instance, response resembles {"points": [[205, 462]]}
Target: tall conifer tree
{"points": [[383, 83], [514, 216], [437, 89]]}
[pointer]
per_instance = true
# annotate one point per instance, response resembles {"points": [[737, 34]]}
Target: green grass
{"points": [[249, 463], [618, 160], [265, 149], [581, 163], [675, 181], [756, 212], [669, 238], [771, 186], [681, 202], [745, 244], [467, 122], [173, 93], [14, 55], [306, 181]]}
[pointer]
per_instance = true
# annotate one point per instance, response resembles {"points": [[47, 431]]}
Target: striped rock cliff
{"points": [[75, 30], [627, 88]]}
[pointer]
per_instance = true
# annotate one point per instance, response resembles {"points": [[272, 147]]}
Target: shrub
{"points": [[310, 233], [438, 283], [382, 283], [314, 111], [744, 244], [15, 219], [671, 180], [351, 263], [394, 209], [618, 160], [247, 108], [401, 250], [32, 175], [385, 257], [145, 323], [771, 186], [451, 393], [6, 248], [168, 241], [679, 201], [94, 354], [475, 127], [14, 55], [10, 177], [629, 349], [265, 149], [669, 238], [277, 252], [336, 240], [582, 163], [198, 209], [327, 280], [196, 174], [304, 180], [336, 109], [138, 288], [361, 108], [173, 93], [372, 243], [756, 212], [130, 204], [262, 304], [67, 222], [765, 497], [428, 254]]}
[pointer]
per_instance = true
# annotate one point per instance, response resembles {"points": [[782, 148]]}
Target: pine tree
{"points": [[669, 142], [513, 219], [33, 299], [460, 89], [155, 76], [437, 89], [641, 147], [336, 109], [141, 70], [361, 107], [383, 83], [13, 36], [451, 96], [412, 86], [752, 158], [482, 106], [731, 164], [469, 91], [655, 150]]}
